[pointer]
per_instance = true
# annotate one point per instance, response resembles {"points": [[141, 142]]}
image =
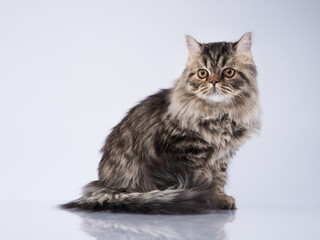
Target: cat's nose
{"points": [[214, 82]]}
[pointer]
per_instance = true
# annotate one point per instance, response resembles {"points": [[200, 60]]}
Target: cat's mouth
{"points": [[216, 95], [214, 89]]}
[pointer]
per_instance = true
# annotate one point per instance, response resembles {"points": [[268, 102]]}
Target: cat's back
{"points": [[148, 112], [139, 123], [129, 142]]}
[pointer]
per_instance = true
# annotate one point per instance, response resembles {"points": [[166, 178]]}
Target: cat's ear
{"points": [[194, 47], [243, 46]]}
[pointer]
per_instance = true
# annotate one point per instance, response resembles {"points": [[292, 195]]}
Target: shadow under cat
{"points": [[105, 225]]}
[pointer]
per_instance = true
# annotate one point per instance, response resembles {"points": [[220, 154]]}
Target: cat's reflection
{"points": [[105, 225]]}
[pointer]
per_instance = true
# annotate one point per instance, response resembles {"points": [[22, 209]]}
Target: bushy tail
{"points": [[168, 201]]}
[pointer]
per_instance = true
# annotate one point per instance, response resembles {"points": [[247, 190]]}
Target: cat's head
{"points": [[221, 72]]}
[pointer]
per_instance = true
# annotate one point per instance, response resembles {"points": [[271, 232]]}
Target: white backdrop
{"points": [[70, 70]]}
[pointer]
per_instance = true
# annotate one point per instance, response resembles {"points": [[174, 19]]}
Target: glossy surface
{"points": [[41, 220]]}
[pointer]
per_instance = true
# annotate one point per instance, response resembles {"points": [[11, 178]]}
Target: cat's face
{"points": [[222, 71]]}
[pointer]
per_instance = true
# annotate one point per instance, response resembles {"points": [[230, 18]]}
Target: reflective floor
{"points": [[41, 220]]}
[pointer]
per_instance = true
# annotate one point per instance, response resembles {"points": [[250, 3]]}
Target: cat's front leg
{"points": [[221, 200]]}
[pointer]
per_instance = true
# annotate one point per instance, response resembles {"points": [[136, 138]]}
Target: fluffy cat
{"points": [[170, 153]]}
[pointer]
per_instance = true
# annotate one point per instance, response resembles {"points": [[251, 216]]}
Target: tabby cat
{"points": [[170, 153]]}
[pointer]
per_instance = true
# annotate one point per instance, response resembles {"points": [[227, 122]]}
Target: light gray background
{"points": [[70, 70]]}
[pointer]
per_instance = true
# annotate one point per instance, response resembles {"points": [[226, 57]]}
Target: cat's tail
{"points": [[168, 201]]}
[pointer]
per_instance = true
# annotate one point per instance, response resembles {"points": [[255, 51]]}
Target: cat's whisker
{"points": [[226, 89]]}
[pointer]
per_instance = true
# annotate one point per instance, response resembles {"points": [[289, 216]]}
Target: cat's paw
{"points": [[224, 202]]}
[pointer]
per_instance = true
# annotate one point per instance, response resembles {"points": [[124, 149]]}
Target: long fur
{"points": [[169, 201], [171, 152]]}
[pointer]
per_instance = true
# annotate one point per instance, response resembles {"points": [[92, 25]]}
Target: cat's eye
{"points": [[202, 73], [228, 72]]}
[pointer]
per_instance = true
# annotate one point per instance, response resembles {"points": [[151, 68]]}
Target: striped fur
{"points": [[170, 153]]}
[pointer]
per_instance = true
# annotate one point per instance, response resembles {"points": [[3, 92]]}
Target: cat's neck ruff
{"points": [[190, 110]]}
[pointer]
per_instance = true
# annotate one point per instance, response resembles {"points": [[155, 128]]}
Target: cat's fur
{"points": [[170, 153]]}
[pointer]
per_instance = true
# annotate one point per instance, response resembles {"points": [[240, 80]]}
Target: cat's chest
{"points": [[222, 133]]}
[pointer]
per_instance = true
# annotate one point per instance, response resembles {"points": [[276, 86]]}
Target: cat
{"points": [[170, 153]]}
